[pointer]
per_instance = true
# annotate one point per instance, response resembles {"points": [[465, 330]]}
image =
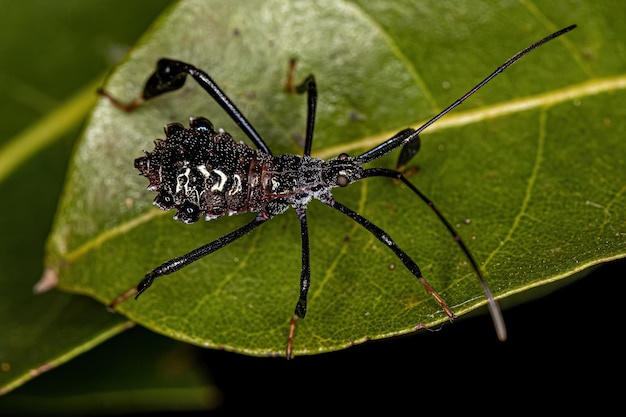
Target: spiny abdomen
{"points": [[202, 172]]}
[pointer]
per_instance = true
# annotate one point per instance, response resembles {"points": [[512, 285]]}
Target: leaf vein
{"points": [[397, 51], [550, 98], [552, 27], [529, 187]]}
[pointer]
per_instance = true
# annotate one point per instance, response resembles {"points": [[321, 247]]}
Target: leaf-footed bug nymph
{"points": [[202, 172]]}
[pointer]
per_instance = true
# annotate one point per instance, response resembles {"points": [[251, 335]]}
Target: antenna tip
{"points": [[501, 333], [498, 320]]}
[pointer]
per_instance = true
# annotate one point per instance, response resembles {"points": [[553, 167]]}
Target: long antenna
{"points": [[398, 140]]}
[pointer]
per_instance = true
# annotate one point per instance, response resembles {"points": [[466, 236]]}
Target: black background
{"points": [[565, 350]]}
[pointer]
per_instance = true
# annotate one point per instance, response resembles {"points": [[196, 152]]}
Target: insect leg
{"points": [[170, 75], [305, 281], [408, 151], [309, 86], [403, 136], [175, 264], [494, 308], [386, 239]]}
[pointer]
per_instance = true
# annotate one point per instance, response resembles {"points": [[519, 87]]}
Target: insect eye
{"points": [[342, 180], [343, 155]]}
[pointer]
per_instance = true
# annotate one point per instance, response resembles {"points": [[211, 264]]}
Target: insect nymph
{"points": [[202, 172]]}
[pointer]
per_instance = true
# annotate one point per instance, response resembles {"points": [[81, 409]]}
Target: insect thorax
{"points": [[203, 172]]}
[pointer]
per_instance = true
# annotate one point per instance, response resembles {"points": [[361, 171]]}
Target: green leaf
{"points": [[530, 169], [53, 56], [129, 361]]}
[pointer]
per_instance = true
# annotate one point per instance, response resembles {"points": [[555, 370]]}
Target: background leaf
{"points": [[515, 168], [137, 372], [54, 57]]}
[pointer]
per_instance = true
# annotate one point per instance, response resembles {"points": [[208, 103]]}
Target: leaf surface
{"points": [[530, 169]]}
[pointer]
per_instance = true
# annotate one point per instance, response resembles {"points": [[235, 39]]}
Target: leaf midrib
{"points": [[464, 118]]}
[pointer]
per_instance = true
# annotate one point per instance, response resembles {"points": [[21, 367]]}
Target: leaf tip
{"points": [[48, 281]]}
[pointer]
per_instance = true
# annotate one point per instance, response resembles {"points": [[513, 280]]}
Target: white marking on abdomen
{"points": [[178, 180], [203, 171], [236, 186], [221, 182]]}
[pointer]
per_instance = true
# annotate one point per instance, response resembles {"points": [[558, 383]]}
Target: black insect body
{"points": [[202, 172]]}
